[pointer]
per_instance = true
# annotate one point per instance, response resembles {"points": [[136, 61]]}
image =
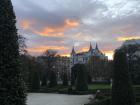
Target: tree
{"points": [[81, 78], [73, 75], [52, 79], [98, 68], [48, 59], [22, 45], [133, 58], [122, 92], [35, 81], [12, 91], [65, 79]]}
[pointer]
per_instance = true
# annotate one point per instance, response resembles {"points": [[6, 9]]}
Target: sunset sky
{"points": [[60, 24]]}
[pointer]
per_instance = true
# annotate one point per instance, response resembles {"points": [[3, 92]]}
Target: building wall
{"points": [[83, 57]]}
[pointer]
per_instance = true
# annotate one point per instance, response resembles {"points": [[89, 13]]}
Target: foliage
{"points": [[12, 88], [22, 45], [105, 101], [134, 61], [47, 61], [35, 81], [99, 68], [73, 75], [81, 78], [122, 92], [31, 71], [65, 79], [52, 79]]}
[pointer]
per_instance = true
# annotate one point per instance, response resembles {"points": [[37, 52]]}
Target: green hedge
{"points": [[105, 101], [138, 99]]}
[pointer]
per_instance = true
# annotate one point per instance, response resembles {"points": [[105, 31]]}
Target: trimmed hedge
{"points": [[106, 101], [138, 99]]}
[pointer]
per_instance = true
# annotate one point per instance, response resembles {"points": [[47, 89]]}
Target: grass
{"points": [[104, 86], [99, 86], [138, 103], [136, 86], [92, 88]]}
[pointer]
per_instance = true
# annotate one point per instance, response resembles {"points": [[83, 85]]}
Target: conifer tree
{"points": [[35, 81], [65, 79], [12, 90], [122, 92], [53, 79], [81, 78]]}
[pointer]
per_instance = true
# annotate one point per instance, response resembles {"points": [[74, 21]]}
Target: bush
{"points": [[138, 99], [122, 91], [53, 79], [105, 101], [81, 80], [12, 87]]}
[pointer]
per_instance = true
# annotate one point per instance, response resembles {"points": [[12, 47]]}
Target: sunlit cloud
{"points": [[124, 38], [109, 54], [84, 49], [57, 31], [71, 23], [50, 32], [25, 24], [65, 55], [41, 49]]}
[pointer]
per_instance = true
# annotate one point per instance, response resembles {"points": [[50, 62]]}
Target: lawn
{"points": [[104, 86], [99, 86]]}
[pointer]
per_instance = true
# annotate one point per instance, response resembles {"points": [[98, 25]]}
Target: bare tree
{"points": [[49, 59]]}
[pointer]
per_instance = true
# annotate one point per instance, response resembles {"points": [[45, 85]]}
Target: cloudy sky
{"points": [[60, 24]]}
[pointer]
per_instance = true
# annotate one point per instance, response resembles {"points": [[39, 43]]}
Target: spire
{"points": [[90, 48], [73, 51], [96, 47]]}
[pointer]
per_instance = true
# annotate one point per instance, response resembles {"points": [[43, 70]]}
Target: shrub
{"points": [[122, 91]]}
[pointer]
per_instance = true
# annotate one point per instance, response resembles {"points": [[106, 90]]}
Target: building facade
{"points": [[83, 57]]}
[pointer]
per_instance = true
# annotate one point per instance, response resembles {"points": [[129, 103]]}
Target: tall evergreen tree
{"points": [[65, 79], [11, 83], [53, 79], [122, 92], [81, 78], [35, 81]]}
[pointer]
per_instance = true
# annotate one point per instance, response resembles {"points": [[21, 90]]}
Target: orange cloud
{"points": [[67, 55], [25, 24], [109, 54], [50, 31], [41, 49], [71, 23], [127, 38], [57, 31], [84, 49]]}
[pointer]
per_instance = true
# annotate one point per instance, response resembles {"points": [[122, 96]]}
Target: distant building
{"points": [[83, 57]]}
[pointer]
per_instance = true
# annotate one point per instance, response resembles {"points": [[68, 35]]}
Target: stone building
{"points": [[83, 57]]}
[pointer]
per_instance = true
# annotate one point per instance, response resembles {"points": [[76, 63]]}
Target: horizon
{"points": [[59, 25]]}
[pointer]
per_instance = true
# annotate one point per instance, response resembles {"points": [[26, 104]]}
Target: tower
{"points": [[96, 47], [73, 51], [90, 48]]}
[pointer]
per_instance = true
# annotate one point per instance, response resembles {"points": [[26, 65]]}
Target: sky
{"points": [[62, 24]]}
